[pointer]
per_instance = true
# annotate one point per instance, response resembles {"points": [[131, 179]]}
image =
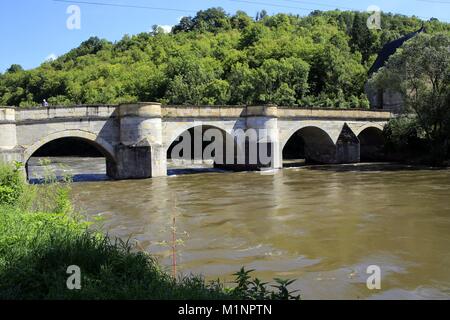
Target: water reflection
{"points": [[79, 169]]}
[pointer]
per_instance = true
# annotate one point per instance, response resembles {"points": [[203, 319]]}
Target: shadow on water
{"points": [[88, 177], [94, 170], [367, 167], [294, 163], [180, 171]]}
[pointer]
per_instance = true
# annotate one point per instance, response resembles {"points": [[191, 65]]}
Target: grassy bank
{"points": [[41, 236]]}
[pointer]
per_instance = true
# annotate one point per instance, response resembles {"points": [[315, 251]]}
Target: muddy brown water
{"points": [[320, 225]]}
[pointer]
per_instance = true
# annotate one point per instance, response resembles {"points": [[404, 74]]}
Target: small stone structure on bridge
{"points": [[135, 138]]}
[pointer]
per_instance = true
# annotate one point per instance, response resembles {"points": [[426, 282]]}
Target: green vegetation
{"points": [[420, 71], [216, 58], [41, 236], [12, 185]]}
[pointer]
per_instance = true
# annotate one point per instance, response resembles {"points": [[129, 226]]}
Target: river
{"points": [[320, 225]]}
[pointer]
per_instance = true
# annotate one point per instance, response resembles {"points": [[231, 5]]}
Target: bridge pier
{"points": [[8, 134], [9, 151], [262, 126], [140, 153], [159, 161], [132, 162], [347, 146], [324, 151]]}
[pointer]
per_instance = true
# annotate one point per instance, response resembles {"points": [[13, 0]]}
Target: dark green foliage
{"points": [[12, 184], [402, 138], [34, 260], [37, 248], [420, 71], [254, 289], [210, 20], [361, 38], [14, 68], [216, 58], [90, 46]]}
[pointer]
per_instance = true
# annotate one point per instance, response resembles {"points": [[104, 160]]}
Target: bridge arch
{"points": [[217, 143], [103, 146], [372, 141], [369, 125], [89, 143], [174, 132], [309, 142]]}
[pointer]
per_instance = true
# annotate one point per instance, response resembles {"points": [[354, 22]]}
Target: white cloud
{"points": [[51, 57], [167, 28]]}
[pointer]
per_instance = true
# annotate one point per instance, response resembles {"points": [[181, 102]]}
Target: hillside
{"points": [[217, 58]]}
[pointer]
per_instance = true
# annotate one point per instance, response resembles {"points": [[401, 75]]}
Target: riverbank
{"points": [[37, 249], [41, 237]]}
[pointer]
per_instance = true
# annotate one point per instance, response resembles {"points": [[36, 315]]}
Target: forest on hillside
{"points": [[216, 58]]}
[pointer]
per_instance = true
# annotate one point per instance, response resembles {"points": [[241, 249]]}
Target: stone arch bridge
{"points": [[135, 138]]}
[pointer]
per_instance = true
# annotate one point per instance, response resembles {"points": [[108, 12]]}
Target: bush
{"points": [[12, 183], [254, 289], [37, 248], [404, 140], [399, 132]]}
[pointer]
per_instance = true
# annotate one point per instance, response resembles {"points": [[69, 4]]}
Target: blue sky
{"points": [[33, 30]]}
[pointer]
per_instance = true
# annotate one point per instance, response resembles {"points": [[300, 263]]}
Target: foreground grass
{"points": [[37, 248], [41, 236]]}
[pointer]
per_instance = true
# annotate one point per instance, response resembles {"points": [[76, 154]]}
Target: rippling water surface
{"points": [[320, 225]]}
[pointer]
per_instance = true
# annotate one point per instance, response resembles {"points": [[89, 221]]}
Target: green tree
{"points": [[217, 58], [252, 34], [186, 24], [211, 20], [282, 82], [241, 20], [192, 78], [420, 71], [241, 83], [362, 39], [14, 68]]}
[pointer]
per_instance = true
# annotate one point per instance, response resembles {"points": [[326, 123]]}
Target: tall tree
{"points": [[362, 39], [420, 71], [14, 68]]}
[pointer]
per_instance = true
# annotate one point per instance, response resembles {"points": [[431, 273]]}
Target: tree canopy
{"points": [[217, 58], [420, 71]]}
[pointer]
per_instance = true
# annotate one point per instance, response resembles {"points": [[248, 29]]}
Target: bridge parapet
{"points": [[7, 114], [325, 113], [180, 111], [8, 135], [155, 110], [58, 113]]}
